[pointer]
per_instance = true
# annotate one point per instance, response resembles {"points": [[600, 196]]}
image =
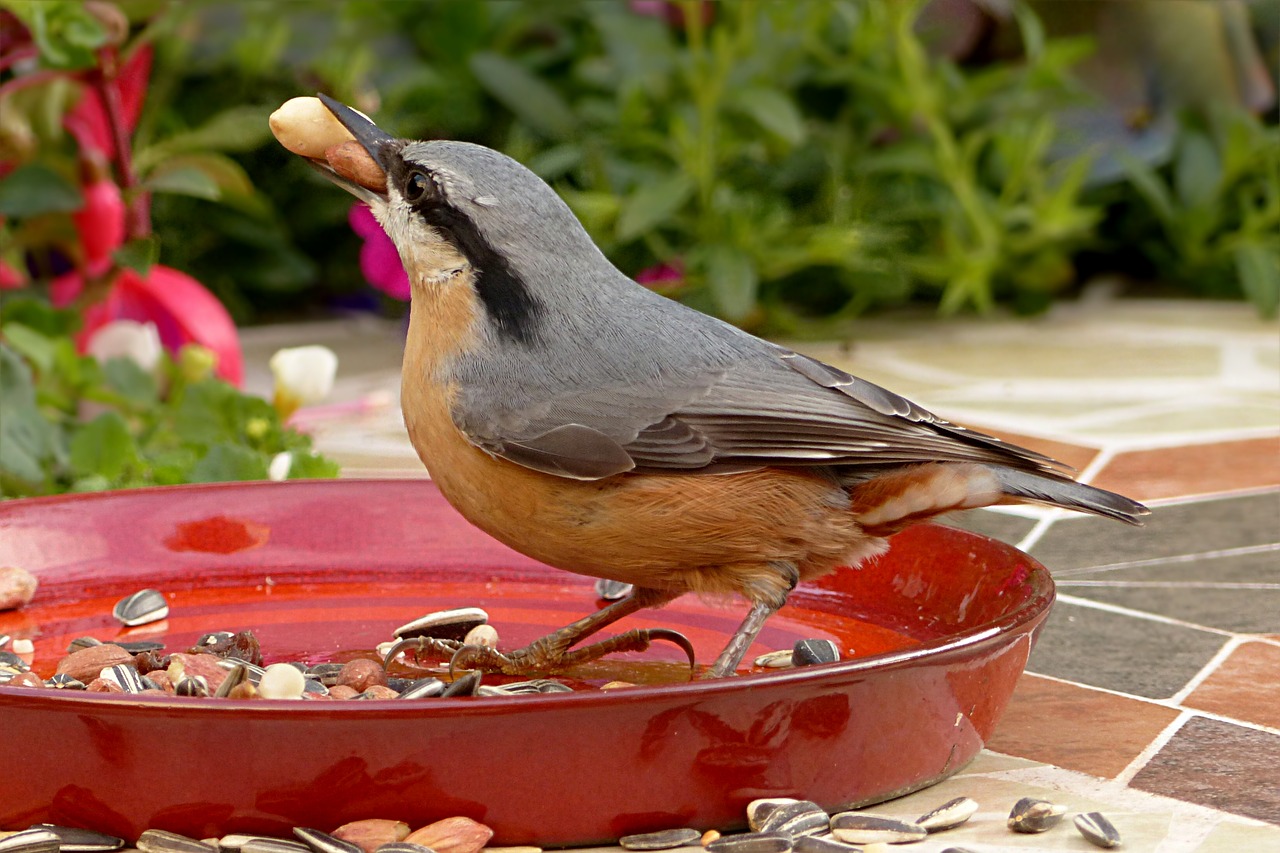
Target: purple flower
{"points": [[379, 260], [663, 277]]}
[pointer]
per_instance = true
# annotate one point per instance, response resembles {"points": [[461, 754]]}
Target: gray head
{"points": [[455, 207]]}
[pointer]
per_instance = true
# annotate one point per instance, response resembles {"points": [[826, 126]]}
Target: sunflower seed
{"points": [[64, 681], [792, 819], [444, 624], [758, 810], [464, 686], [8, 673], [141, 608], [259, 844], [313, 685], [402, 847], [780, 659], [238, 675], [1097, 829], [856, 828], [751, 842], [957, 850], [1031, 815], [233, 843], [126, 676], [253, 671], [663, 840], [137, 647], [323, 842], [10, 659], [808, 652], [82, 643], [73, 840], [423, 688], [537, 685], [825, 844], [611, 590], [34, 840], [214, 638], [4, 638], [162, 841], [327, 673], [948, 815], [193, 685]]}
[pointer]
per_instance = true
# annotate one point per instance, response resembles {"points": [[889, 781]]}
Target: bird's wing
{"points": [[760, 405]]}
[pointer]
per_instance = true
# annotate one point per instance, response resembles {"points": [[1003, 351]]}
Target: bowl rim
{"points": [[972, 639]]}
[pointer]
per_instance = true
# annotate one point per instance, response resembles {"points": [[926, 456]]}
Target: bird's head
{"points": [[464, 215]]}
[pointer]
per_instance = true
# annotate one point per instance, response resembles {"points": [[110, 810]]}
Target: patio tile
{"points": [[1043, 722], [1121, 653], [1003, 526], [1243, 686], [1197, 469], [1220, 765]]}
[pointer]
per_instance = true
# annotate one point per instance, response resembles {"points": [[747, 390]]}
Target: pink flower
{"points": [[87, 122], [10, 278], [379, 260], [663, 277], [100, 224]]}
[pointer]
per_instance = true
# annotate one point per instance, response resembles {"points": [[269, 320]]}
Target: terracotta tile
{"points": [[1077, 728], [1219, 765], [1197, 469], [1243, 686]]}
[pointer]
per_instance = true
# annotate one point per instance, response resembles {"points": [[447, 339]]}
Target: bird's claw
{"points": [[553, 653], [418, 645]]}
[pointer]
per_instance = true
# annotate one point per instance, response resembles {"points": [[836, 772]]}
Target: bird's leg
{"points": [[553, 651], [727, 662]]}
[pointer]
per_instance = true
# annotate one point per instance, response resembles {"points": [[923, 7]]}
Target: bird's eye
{"points": [[417, 187]]}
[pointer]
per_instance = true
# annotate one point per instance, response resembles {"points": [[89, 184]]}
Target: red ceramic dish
{"points": [[939, 631]]}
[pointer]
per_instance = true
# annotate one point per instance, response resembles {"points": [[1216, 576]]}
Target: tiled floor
{"points": [[1154, 692]]}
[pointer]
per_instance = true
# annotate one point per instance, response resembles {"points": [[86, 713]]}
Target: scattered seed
{"points": [[665, 839], [751, 842], [233, 842], [74, 840], [423, 688], [253, 672], [361, 674], [780, 659], [856, 828], [23, 646], [444, 624], [282, 681], [82, 643], [195, 685], [611, 590], [11, 659], [709, 836], [215, 638], [403, 847], [1030, 815], [794, 819], [948, 815], [273, 845], [137, 647], [482, 635], [614, 685], [327, 673], [162, 841], [143, 607], [4, 638], [124, 675], [238, 675], [758, 810], [34, 840], [1097, 830], [809, 652], [824, 844], [65, 682], [464, 686], [323, 842]]}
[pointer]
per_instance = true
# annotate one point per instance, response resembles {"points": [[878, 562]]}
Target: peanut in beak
{"points": [[349, 160], [307, 128]]}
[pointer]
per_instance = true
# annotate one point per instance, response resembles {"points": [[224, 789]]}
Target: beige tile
{"points": [[1232, 837]]}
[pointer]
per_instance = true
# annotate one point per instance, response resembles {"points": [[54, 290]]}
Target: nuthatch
{"points": [[606, 430]]}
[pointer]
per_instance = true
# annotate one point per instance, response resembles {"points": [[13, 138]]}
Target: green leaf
{"points": [[531, 100], [206, 415], [1149, 186], [67, 34], [34, 189], [653, 204], [774, 112], [226, 462], [1259, 271], [312, 466], [138, 255], [103, 446], [1197, 170], [226, 176], [733, 282], [27, 440], [240, 128], [127, 378], [40, 316], [183, 180], [30, 343]]}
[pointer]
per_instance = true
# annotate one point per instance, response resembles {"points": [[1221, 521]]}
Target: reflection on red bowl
{"points": [[936, 633]]}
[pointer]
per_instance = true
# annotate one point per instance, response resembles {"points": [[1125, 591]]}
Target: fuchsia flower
{"points": [[379, 260], [663, 278]]}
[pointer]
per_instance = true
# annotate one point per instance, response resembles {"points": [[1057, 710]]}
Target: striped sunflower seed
{"points": [[665, 839], [1097, 830]]}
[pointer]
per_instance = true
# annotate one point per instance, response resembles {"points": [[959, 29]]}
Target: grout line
{"points": [[1227, 650], [1099, 461], [1150, 751], [1139, 614], [1240, 551]]}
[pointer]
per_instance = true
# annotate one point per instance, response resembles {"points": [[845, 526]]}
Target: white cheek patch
{"points": [[940, 488]]}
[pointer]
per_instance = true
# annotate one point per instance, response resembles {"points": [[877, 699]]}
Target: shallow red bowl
{"points": [[936, 633]]}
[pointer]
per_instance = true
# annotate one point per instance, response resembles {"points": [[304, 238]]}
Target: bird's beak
{"points": [[365, 179]]}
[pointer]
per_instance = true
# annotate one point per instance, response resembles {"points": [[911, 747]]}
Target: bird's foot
{"points": [[553, 652]]}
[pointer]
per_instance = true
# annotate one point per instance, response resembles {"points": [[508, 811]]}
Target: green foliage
{"points": [[72, 424]]}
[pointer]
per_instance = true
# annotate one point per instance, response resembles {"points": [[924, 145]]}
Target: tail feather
{"points": [[1069, 494]]}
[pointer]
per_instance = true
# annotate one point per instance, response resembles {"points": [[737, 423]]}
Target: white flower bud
{"points": [[280, 464], [303, 376], [138, 342]]}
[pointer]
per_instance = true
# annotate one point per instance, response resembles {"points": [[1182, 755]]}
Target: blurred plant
{"points": [[134, 417]]}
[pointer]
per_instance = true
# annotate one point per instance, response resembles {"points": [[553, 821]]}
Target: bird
{"points": [[610, 431]]}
